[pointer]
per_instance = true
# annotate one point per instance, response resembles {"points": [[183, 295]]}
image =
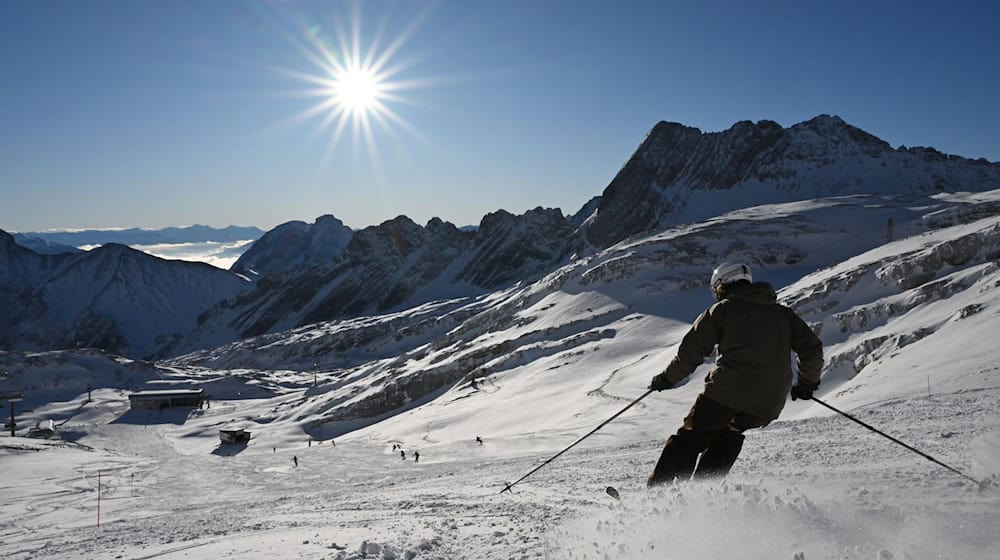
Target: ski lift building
{"points": [[169, 398], [234, 436]]}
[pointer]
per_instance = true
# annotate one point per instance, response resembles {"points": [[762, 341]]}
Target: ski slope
{"points": [[907, 331]]}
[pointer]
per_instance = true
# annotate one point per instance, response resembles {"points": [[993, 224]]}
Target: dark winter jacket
{"points": [[755, 336]]}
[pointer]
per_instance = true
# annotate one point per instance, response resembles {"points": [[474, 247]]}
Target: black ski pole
{"points": [[982, 484], [590, 433]]}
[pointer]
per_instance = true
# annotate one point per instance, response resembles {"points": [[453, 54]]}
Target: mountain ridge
{"points": [[113, 297], [324, 271], [680, 174]]}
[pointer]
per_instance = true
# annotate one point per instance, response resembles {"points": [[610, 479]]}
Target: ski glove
{"points": [[803, 390], [660, 382]]}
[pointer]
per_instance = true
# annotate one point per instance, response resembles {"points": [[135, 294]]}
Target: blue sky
{"points": [[150, 114]]}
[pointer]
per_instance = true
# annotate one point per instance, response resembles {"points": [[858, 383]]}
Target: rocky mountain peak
{"points": [[293, 245], [396, 238], [680, 174], [328, 221]]}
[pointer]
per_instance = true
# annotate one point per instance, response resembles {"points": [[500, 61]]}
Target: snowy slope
{"points": [[551, 360]]}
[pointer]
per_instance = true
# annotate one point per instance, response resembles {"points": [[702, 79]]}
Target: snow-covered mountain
{"points": [[677, 175], [395, 265], [113, 297], [294, 245], [655, 284], [680, 174]]}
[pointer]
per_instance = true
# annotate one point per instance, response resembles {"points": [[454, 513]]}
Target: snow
{"points": [[906, 331]]}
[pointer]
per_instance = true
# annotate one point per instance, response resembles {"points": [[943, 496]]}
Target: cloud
{"points": [[215, 253]]}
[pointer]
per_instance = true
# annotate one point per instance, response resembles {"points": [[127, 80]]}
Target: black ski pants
{"points": [[711, 430]]}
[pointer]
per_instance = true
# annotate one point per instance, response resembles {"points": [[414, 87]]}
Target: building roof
{"points": [[159, 394]]}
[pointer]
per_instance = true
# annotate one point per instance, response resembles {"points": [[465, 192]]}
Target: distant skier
{"points": [[402, 454], [333, 443], [395, 447], [748, 387], [295, 460], [479, 440], [416, 456]]}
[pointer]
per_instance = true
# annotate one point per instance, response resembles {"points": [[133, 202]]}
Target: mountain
{"points": [[680, 174], [677, 175], [294, 245], [138, 236], [633, 302], [391, 266], [112, 297], [43, 246]]}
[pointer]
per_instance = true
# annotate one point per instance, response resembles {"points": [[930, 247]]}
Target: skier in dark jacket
{"points": [[747, 389]]}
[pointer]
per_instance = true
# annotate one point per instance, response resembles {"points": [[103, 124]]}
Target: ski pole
{"points": [[590, 433], [982, 484]]}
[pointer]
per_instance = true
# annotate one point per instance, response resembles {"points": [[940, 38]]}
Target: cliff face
{"points": [[511, 248], [680, 174]]}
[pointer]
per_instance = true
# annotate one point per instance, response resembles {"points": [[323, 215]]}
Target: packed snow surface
{"points": [[820, 486]]}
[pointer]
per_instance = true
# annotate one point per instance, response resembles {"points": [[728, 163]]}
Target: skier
{"points": [[479, 440], [295, 460], [416, 456], [402, 454], [747, 388]]}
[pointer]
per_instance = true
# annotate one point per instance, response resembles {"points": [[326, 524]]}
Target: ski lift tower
{"points": [[12, 397]]}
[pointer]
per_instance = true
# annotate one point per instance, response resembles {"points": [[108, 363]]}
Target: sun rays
{"points": [[354, 84]]}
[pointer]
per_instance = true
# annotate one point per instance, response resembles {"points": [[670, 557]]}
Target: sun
{"points": [[356, 91], [355, 84]]}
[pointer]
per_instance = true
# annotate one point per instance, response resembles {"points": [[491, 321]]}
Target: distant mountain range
{"points": [[138, 236], [309, 273]]}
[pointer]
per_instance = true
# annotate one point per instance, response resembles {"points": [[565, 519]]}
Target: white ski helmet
{"points": [[729, 272]]}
